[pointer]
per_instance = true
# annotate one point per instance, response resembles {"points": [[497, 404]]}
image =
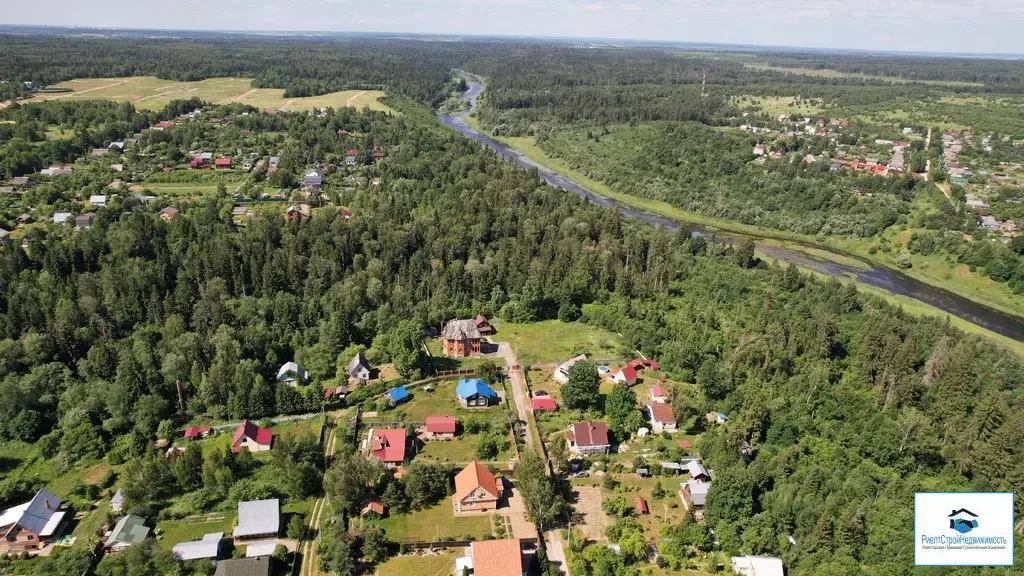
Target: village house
{"points": [[297, 213], [197, 432], [358, 369], [388, 445], [662, 418], [258, 520], [222, 163], [378, 154], [439, 428], [168, 213], [313, 179], [34, 524], [332, 393], [244, 567], [398, 395], [757, 566], [561, 374], [350, 156], [625, 374], [57, 170], [483, 326], [117, 502], [461, 338], [494, 558], [129, 531], [543, 404], [61, 217], [697, 471], [658, 395], [989, 223], [374, 506], [292, 374], [694, 494], [475, 393], [272, 163], [98, 200], [4, 234], [206, 549], [588, 439], [255, 439], [476, 489], [84, 220], [22, 182]]}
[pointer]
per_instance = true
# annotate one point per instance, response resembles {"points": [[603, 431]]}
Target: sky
{"points": [[958, 26]]}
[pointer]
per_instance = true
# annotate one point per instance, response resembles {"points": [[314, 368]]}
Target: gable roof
{"points": [[474, 476], [373, 505], [641, 505], [497, 557], [35, 516], [698, 491], [389, 445], [460, 330], [589, 434], [290, 369], [118, 499], [628, 373], [661, 412], [128, 530], [248, 429], [170, 211], [441, 424], [197, 431], [696, 469], [208, 547], [541, 404], [258, 517], [658, 392], [398, 393], [357, 362], [469, 387], [757, 566], [244, 567]]}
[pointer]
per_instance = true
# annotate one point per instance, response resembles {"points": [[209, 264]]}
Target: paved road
{"points": [[556, 553], [518, 381]]}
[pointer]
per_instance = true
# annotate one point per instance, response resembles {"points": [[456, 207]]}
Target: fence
{"points": [[467, 372], [413, 544]]}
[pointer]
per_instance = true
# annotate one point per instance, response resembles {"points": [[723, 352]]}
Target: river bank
{"points": [[869, 273]]}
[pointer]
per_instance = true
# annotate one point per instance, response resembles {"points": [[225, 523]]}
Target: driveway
{"points": [[556, 553], [516, 514], [516, 378]]}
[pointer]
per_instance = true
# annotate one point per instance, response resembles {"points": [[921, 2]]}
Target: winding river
{"points": [[882, 277]]}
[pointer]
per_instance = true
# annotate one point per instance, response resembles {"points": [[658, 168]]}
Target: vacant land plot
{"points": [[829, 73], [427, 564], [150, 93], [194, 527], [433, 524], [594, 520], [556, 341]]}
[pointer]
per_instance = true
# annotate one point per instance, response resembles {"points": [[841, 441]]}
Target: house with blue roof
{"points": [[475, 393], [398, 395]]}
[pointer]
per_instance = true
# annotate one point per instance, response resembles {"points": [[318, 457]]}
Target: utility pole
{"points": [[181, 403], [704, 84]]}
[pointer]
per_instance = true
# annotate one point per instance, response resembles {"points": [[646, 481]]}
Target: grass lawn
{"points": [[434, 523], [189, 190], [439, 402], [460, 450], [432, 564], [556, 341], [150, 93], [173, 532], [89, 524]]}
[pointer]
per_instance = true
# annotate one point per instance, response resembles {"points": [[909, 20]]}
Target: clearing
{"points": [[434, 524], [830, 73], [556, 341], [151, 93], [427, 563]]}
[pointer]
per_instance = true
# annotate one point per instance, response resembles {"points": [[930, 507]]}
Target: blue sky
{"points": [[917, 25]]}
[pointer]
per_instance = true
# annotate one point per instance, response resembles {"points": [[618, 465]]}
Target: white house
{"points": [[98, 200], [561, 374], [757, 566], [658, 395], [292, 374], [662, 418]]}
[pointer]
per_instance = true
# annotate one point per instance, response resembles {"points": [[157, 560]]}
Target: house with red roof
{"points": [[483, 326], [588, 438], [658, 395], [641, 506], [196, 163], [476, 489], [543, 404], [222, 163], [662, 418], [440, 427], [250, 436], [374, 506], [625, 374], [195, 432], [388, 445]]}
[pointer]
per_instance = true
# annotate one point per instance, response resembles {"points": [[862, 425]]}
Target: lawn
{"points": [[440, 401], [429, 564], [173, 532], [461, 450], [89, 524], [556, 341], [150, 93], [187, 190], [433, 524]]}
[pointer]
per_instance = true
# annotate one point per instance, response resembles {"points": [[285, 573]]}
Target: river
{"points": [[892, 281]]}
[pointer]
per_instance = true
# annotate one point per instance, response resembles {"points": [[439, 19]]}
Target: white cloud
{"points": [[630, 7]]}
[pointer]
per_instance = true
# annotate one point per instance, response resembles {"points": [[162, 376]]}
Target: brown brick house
{"points": [[461, 338]]}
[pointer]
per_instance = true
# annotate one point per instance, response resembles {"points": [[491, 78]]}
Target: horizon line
{"points": [[600, 39]]}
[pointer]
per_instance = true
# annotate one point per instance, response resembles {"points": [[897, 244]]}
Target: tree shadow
{"points": [[8, 464]]}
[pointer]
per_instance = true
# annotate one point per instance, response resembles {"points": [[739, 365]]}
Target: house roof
{"points": [[469, 387], [197, 431], [540, 404], [757, 566], [661, 412], [441, 424], [358, 361], [222, 162], [244, 567], [247, 429], [97, 199], [34, 515], [480, 321], [118, 498], [258, 517], [373, 505], [627, 373], [685, 444], [641, 505], [696, 469], [698, 491], [397, 394], [389, 445], [128, 530], [291, 371], [497, 557], [589, 434], [474, 476], [170, 210], [658, 392], [208, 547], [460, 330]]}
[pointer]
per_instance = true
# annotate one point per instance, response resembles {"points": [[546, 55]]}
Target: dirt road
{"points": [[518, 381], [310, 564]]}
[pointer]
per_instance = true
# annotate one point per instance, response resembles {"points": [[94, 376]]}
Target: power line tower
{"points": [[704, 84]]}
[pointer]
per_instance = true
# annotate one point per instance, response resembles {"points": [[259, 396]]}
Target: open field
{"points": [[829, 73], [150, 93], [435, 523], [427, 564], [556, 341], [194, 527]]}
